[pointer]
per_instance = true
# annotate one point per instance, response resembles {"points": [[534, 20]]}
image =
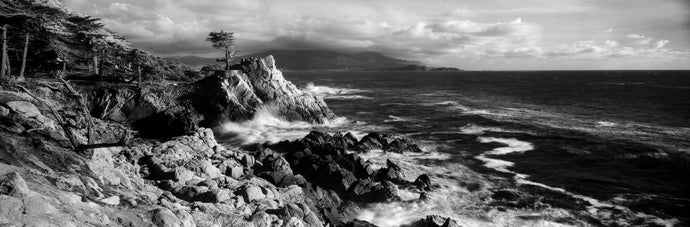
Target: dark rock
{"points": [[189, 193], [435, 221], [423, 182], [372, 192], [359, 223], [401, 145], [278, 164], [175, 121], [392, 173], [213, 196], [371, 141]]}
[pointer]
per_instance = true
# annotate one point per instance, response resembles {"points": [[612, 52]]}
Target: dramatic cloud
{"points": [[491, 34]]}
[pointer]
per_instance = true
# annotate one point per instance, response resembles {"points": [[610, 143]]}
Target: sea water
{"points": [[582, 147]]}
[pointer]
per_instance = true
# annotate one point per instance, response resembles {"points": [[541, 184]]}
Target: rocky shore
{"points": [[159, 164]]}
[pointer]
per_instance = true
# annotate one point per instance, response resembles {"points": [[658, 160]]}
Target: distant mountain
{"points": [[322, 60]]}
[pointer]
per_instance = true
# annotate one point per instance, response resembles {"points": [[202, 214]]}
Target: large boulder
{"points": [[252, 85]]}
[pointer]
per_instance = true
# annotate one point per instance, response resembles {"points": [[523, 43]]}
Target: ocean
{"points": [[529, 148]]}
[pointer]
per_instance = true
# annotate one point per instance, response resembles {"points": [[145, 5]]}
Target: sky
{"points": [[468, 34]]}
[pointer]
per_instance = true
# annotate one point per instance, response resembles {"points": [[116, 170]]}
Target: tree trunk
{"points": [[26, 50], [227, 59], [95, 64], [139, 74], [3, 65]]}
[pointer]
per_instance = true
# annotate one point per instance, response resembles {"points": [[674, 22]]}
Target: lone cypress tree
{"points": [[225, 41]]}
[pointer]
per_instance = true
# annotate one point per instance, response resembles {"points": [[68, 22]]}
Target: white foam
{"points": [[450, 199], [393, 118], [267, 127], [478, 130], [334, 93], [514, 145], [606, 124]]}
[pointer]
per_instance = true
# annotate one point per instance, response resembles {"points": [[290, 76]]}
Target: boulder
{"points": [[251, 193], [237, 94], [359, 223], [372, 141], [278, 164], [401, 145], [112, 200], [435, 221], [423, 182], [372, 192], [163, 217], [392, 173], [13, 184]]}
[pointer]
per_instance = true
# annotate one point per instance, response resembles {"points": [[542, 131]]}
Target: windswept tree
{"points": [[225, 41]]}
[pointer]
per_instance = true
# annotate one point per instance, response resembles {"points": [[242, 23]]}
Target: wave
{"points": [[595, 207], [265, 126], [606, 124], [455, 106], [393, 118], [327, 92], [453, 198], [472, 129], [513, 146]]}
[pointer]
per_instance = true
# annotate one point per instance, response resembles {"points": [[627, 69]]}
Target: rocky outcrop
{"points": [[251, 85], [434, 221], [255, 84], [184, 177]]}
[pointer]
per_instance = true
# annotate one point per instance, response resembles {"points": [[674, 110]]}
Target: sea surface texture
{"points": [[542, 148]]}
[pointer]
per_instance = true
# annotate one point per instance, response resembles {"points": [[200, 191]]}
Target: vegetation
{"points": [[42, 37], [225, 41]]}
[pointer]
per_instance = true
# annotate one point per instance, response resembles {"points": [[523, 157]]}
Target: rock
{"points": [[279, 164], [183, 175], [248, 161], [392, 173], [163, 217], [359, 223], [174, 121], [401, 145], [371, 141], [186, 219], [24, 108], [236, 172], [423, 182], [251, 193], [112, 200], [189, 193], [435, 221], [364, 190], [210, 170], [214, 196], [13, 184], [210, 184], [235, 95], [274, 177], [4, 112]]}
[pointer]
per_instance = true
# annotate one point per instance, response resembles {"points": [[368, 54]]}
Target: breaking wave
{"points": [[266, 126], [456, 197], [334, 93]]}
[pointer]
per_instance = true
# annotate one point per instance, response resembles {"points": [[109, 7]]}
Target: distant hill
{"points": [[322, 60]]}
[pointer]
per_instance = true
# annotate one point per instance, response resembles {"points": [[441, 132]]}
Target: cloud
{"points": [[635, 36], [450, 32]]}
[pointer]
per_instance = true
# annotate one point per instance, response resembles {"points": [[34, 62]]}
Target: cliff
{"points": [[233, 95]]}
